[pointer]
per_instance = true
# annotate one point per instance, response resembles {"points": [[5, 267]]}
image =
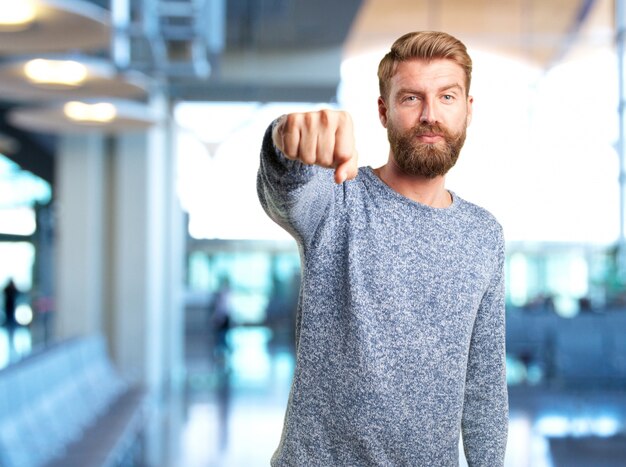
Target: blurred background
{"points": [[129, 141]]}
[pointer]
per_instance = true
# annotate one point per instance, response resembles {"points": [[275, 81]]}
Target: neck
{"points": [[428, 191]]}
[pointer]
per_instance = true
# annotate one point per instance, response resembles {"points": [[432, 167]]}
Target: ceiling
{"points": [[291, 50], [540, 31]]}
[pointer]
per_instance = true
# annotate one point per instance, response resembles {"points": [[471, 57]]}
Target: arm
{"points": [[485, 412], [292, 186]]}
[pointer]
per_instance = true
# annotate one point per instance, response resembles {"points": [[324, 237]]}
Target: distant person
{"points": [[221, 309], [11, 293], [400, 335]]}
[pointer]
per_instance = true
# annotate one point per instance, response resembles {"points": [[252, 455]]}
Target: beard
{"points": [[428, 160]]}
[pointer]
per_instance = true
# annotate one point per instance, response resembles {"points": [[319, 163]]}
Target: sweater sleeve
{"points": [[485, 412], [295, 195]]}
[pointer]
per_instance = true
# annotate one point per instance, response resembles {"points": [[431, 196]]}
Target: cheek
{"points": [[460, 122], [404, 122]]}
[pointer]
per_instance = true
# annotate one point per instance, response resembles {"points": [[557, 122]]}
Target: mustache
{"points": [[435, 129], [429, 129]]}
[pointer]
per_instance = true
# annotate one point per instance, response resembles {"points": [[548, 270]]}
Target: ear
{"points": [[470, 101], [382, 111]]}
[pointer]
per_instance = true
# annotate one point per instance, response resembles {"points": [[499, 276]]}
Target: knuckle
{"points": [[293, 118], [325, 116], [292, 123], [308, 119], [287, 123]]}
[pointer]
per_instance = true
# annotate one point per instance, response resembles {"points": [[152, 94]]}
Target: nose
{"points": [[428, 112]]}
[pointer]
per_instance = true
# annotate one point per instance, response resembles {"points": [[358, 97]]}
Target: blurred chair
{"points": [[67, 406]]}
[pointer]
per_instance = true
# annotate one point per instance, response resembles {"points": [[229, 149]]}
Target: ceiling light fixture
{"points": [[55, 73], [81, 112], [16, 15]]}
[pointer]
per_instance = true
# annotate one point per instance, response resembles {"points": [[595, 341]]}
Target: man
{"points": [[400, 323], [10, 303]]}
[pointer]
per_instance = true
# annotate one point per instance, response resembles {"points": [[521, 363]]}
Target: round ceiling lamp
{"points": [[55, 73], [54, 79], [97, 113], [43, 26], [16, 16], [116, 116]]}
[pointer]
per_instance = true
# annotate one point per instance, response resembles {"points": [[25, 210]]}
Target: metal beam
{"points": [[220, 91], [15, 238]]}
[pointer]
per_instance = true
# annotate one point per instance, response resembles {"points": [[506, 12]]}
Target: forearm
{"points": [[293, 194], [485, 425], [485, 413]]}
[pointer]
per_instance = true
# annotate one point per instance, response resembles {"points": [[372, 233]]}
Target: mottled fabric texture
{"points": [[399, 327]]}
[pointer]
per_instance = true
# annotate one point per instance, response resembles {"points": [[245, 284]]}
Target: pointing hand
{"points": [[324, 138]]}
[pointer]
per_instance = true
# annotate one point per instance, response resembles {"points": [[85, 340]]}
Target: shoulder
{"points": [[480, 220]]}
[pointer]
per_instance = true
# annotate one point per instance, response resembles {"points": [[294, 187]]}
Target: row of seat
{"points": [[587, 349], [68, 406]]}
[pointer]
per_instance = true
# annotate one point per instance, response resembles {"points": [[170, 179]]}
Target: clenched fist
{"points": [[324, 138]]}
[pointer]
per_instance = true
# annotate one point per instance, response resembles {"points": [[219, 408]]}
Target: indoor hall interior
{"points": [[154, 300]]}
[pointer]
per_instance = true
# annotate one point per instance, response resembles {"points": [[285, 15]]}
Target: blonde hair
{"points": [[425, 45]]}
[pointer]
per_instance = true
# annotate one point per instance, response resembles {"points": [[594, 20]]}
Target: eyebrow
{"points": [[446, 87], [452, 86]]}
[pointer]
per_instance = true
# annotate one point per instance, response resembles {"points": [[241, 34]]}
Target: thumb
{"points": [[347, 170]]}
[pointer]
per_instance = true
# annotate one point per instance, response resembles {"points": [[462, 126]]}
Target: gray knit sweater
{"points": [[399, 327]]}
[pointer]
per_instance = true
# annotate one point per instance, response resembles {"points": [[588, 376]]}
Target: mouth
{"points": [[430, 138]]}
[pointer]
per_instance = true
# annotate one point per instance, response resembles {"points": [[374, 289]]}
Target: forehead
{"points": [[424, 75]]}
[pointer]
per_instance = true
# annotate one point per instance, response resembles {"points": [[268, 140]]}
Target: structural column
{"points": [[80, 208], [146, 255], [120, 249]]}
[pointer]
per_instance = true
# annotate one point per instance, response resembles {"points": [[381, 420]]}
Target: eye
{"points": [[448, 98]]}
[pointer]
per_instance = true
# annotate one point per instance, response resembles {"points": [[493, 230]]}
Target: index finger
{"points": [[347, 170], [344, 142]]}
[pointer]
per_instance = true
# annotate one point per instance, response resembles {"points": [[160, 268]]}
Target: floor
{"points": [[233, 418], [239, 424]]}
